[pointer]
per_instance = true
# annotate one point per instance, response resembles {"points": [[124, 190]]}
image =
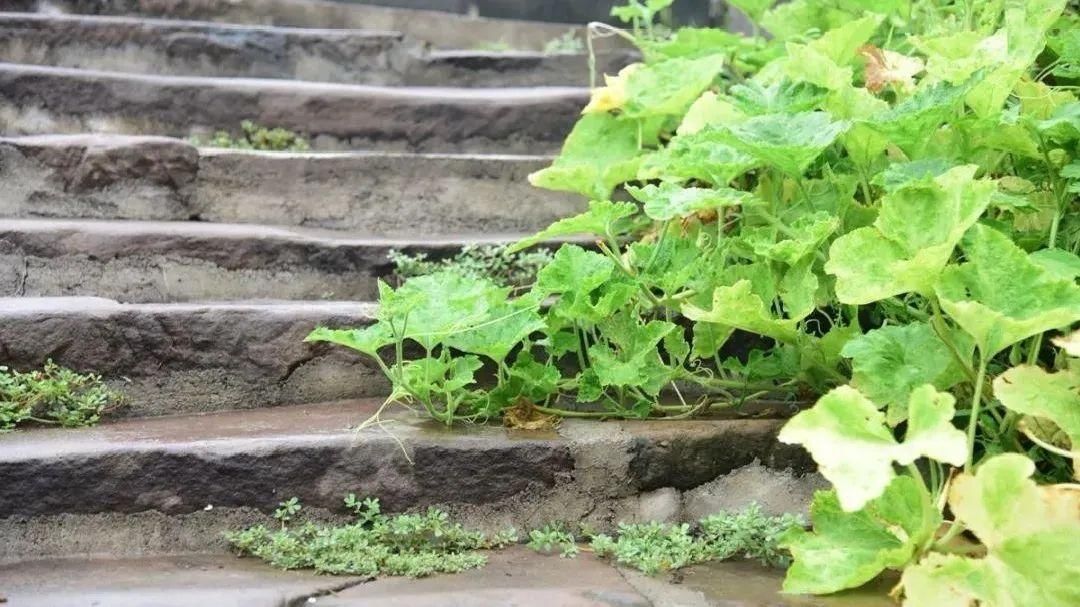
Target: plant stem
{"points": [[976, 403]]}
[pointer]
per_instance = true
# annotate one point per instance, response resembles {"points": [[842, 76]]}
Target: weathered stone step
{"points": [[512, 577], [197, 48], [181, 358], [177, 482], [152, 261], [39, 99], [374, 194], [438, 28]]}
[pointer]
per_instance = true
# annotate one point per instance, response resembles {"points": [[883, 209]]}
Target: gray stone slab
{"points": [[171, 358], [180, 581], [512, 577], [369, 194], [441, 29], [81, 490], [199, 48], [163, 46], [160, 262], [40, 99]]}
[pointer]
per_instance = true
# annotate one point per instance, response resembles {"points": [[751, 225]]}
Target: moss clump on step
{"points": [[492, 262], [257, 137], [414, 545], [53, 395], [653, 547]]}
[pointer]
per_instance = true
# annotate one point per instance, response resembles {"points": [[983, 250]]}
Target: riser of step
{"points": [[146, 262], [191, 48], [182, 358], [383, 195], [444, 30], [38, 99], [486, 476]]}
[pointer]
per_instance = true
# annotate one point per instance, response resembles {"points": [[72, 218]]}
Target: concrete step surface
{"points": [[440, 29], [177, 358], [173, 484], [514, 577], [200, 48], [162, 262], [386, 195], [40, 99]]}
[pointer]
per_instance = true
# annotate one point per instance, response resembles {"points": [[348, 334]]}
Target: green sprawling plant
{"points": [[875, 209], [412, 545], [53, 395], [653, 547], [255, 137], [494, 262]]}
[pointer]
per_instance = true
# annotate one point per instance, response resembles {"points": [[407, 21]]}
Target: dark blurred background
{"points": [[684, 12]]}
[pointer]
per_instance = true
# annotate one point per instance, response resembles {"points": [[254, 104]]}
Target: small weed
{"points": [[653, 547], [256, 137], [552, 537], [53, 395], [567, 44], [493, 262], [412, 545]]}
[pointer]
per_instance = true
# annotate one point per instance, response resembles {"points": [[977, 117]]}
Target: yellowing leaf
{"points": [[1053, 396], [854, 448], [885, 67], [613, 95]]}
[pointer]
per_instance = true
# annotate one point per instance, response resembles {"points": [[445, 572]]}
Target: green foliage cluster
{"points": [[256, 137], [53, 395], [494, 262], [413, 545], [654, 547], [567, 44], [881, 200]]}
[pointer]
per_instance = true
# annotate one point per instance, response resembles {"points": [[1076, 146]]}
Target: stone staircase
{"points": [[188, 277]]}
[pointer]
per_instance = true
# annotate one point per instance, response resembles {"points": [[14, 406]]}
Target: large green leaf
{"points": [[848, 549], [600, 153], [669, 87], [368, 340], [889, 363], [602, 219], [1031, 534], [910, 123], [703, 155], [854, 448], [912, 239], [796, 242], [740, 307], [429, 308], [504, 328], [634, 361], [1053, 396], [788, 142], [668, 200], [999, 296]]}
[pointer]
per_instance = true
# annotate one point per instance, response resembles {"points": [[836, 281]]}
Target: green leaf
{"points": [[603, 217], [788, 142], [429, 308], [752, 8], [600, 153], [848, 549], [805, 63], [1000, 296], [506, 326], [738, 306], [668, 200], [800, 239], [910, 123], [1053, 396], [1063, 125], [756, 99], [854, 449], [709, 111], [635, 357], [1031, 534], [702, 155], [1057, 262], [897, 175], [709, 338], [669, 87], [368, 340], [573, 269], [912, 239], [890, 362]]}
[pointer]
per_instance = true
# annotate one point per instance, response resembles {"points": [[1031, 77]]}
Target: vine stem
{"points": [[976, 403]]}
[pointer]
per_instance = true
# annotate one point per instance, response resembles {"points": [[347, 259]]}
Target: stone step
{"points": [[39, 99], [440, 29], [194, 48], [161, 262], [515, 577], [189, 357], [173, 484], [373, 194]]}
